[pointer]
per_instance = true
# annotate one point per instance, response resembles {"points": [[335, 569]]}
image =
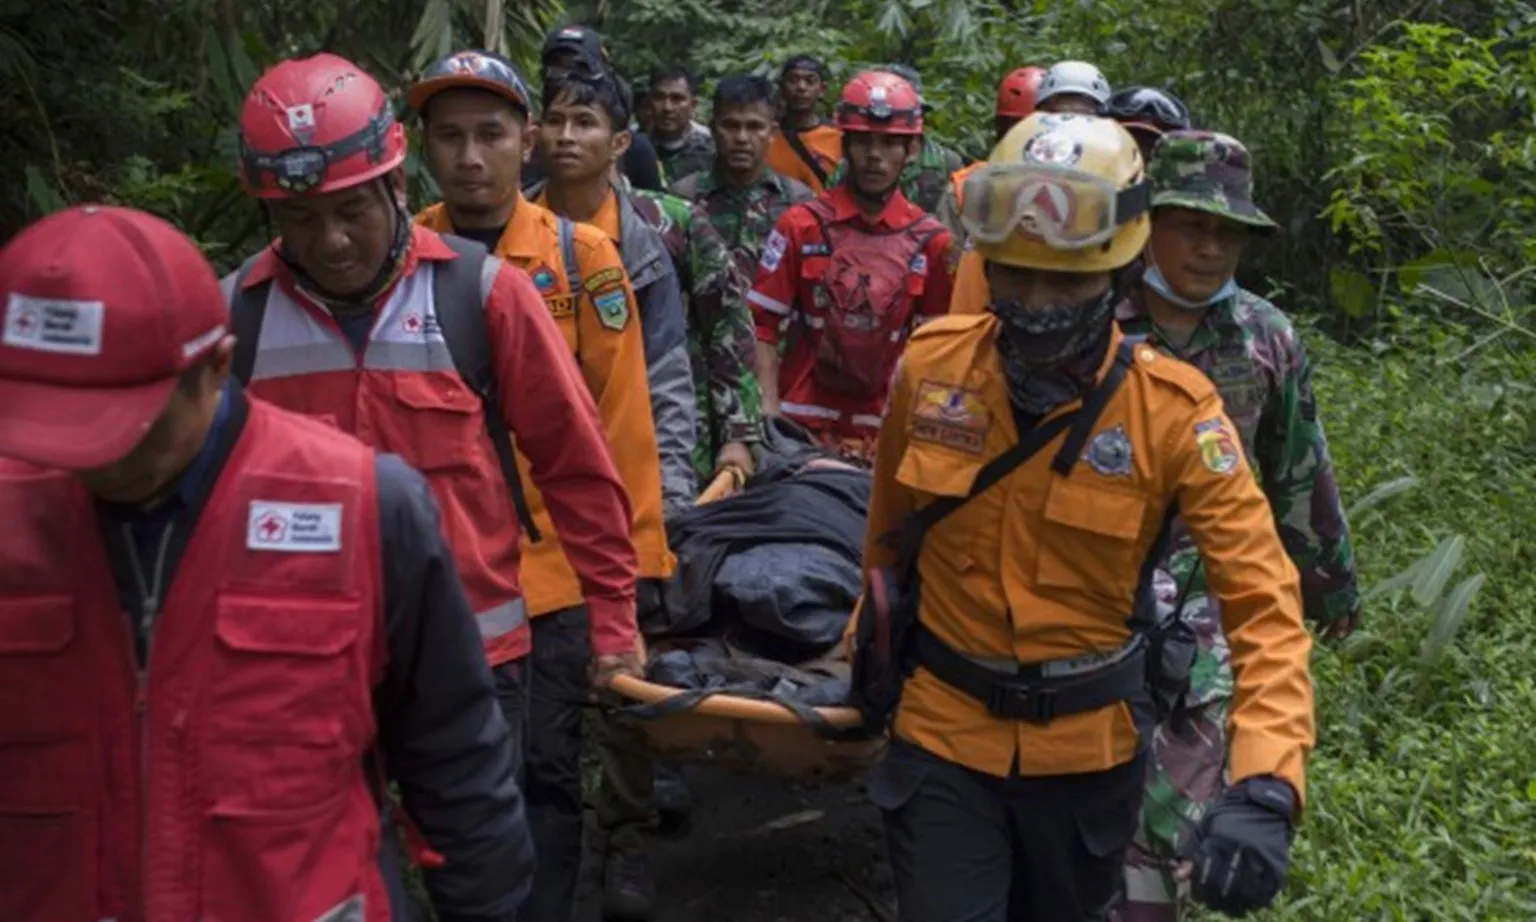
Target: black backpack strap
{"points": [[247, 310], [1093, 408], [459, 289], [568, 255], [804, 153]]}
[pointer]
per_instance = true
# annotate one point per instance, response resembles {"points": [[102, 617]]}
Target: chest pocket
{"points": [[442, 424], [1089, 539], [936, 472], [281, 722]]}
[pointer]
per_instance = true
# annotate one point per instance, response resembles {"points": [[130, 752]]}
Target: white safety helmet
{"points": [[1078, 77]]}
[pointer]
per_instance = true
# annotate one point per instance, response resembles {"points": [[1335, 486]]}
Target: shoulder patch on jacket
{"points": [[612, 308], [1179, 375], [603, 280]]}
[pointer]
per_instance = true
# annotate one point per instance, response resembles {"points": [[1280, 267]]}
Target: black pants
{"points": [[970, 847], [562, 653], [512, 688]]}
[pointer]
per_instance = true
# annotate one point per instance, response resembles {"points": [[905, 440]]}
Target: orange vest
{"points": [[958, 178], [612, 362], [1043, 567], [227, 781], [824, 142]]}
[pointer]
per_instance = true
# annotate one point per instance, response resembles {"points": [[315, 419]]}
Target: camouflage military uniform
{"points": [[746, 217], [695, 152], [1250, 350], [721, 341], [925, 179]]}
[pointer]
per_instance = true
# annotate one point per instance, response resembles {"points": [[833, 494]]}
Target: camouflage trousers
{"points": [[1185, 770]]}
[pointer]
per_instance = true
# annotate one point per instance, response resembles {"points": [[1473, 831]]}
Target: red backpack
{"points": [[866, 301]]}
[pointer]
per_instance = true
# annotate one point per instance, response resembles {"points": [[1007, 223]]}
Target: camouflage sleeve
{"points": [[838, 174], [725, 335], [1297, 472]]}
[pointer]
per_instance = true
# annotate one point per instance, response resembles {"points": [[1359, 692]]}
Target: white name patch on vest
{"points": [[295, 528]]}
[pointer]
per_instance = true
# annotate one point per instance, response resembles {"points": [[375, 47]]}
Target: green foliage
{"points": [[1393, 142], [1422, 792]]}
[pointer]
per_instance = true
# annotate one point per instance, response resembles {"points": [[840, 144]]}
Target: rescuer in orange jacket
{"points": [[1012, 787], [475, 109], [223, 626], [366, 320]]}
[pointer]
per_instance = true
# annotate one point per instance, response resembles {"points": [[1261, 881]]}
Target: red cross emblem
{"points": [[271, 527], [412, 323], [26, 320]]}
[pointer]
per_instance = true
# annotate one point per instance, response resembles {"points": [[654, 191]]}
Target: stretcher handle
{"points": [[730, 479], [731, 706]]}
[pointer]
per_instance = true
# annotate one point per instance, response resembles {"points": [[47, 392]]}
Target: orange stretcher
{"points": [[741, 733]]}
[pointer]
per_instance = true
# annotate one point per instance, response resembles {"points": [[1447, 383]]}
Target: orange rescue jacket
{"points": [[1043, 567]]}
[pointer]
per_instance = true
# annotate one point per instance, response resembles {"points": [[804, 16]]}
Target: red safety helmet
{"points": [[316, 125], [880, 103], [1016, 94]]}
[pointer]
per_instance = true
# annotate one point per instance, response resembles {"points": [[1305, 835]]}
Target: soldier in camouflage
{"points": [[721, 341], [741, 195], [926, 178], [1190, 306], [681, 146]]}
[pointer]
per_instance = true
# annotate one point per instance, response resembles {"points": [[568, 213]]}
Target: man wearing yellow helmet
{"points": [[1028, 469]]}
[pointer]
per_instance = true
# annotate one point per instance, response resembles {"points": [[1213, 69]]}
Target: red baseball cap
{"points": [[103, 309]]}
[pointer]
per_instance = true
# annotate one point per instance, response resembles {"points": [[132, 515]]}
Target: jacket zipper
{"points": [[149, 589]]}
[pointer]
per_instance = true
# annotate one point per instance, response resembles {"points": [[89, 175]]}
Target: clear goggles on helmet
{"points": [[1065, 208], [1142, 104], [301, 169]]}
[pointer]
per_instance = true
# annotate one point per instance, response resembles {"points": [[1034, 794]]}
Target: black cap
{"points": [[804, 62], [587, 44]]}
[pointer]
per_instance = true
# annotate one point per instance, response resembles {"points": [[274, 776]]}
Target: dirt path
{"points": [[761, 850]]}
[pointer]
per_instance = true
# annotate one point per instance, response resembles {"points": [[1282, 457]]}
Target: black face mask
{"points": [[1051, 355]]}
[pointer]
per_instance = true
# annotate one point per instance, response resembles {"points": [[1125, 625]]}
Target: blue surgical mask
{"points": [[1153, 278]]}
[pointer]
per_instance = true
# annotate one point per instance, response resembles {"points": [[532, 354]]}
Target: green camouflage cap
{"points": [[1206, 171], [906, 73]]}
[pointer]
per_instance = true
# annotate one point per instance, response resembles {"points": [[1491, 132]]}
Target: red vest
{"points": [[226, 783]]}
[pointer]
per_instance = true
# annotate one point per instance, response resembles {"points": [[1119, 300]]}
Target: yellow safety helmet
{"points": [[1060, 192]]}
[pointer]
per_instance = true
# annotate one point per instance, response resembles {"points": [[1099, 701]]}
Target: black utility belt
{"points": [[1033, 693]]}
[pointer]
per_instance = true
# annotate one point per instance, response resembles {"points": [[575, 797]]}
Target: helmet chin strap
{"points": [[394, 259]]}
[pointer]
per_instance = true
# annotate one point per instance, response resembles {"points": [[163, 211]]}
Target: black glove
{"points": [[1242, 846]]}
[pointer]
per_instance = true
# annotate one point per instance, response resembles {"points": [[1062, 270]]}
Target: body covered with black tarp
{"points": [[773, 571]]}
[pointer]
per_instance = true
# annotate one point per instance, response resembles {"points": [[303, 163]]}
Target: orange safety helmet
{"points": [[880, 102], [1016, 94]]}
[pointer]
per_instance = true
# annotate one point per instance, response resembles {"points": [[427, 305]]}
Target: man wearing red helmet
{"points": [[222, 625], [849, 275], [422, 345], [1015, 102]]}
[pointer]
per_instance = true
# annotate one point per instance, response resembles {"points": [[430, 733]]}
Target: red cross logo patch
{"points": [[271, 527]]}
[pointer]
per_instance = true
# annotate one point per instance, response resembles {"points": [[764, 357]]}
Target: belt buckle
{"points": [[1016, 701]]}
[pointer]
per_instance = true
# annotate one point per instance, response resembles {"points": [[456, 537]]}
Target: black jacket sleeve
{"points": [[640, 165], [445, 743]]}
